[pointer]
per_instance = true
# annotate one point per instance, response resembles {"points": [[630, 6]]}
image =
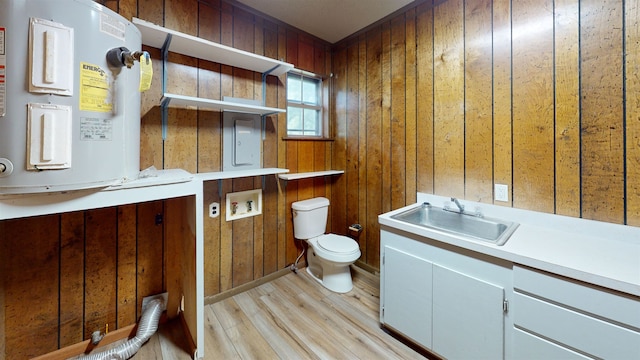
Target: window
{"points": [[304, 105]]}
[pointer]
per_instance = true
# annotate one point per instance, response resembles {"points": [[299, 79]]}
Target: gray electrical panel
{"points": [[241, 141]]}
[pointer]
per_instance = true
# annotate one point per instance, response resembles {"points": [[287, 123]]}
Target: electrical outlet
{"points": [[501, 192], [214, 210]]}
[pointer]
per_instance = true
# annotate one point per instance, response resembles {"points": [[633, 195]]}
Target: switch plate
{"points": [[501, 192]]}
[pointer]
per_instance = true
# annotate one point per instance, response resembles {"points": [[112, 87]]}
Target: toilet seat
{"points": [[335, 248], [337, 244]]}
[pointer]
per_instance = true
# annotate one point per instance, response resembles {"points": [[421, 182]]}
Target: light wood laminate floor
{"points": [[292, 317]]}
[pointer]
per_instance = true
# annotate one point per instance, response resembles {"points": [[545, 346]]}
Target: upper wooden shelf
{"points": [[221, 175], [306, 175], [154, 35], [176, 100]]}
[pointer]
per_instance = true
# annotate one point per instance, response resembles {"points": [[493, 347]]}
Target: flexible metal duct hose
{"points": [[146, 328]]}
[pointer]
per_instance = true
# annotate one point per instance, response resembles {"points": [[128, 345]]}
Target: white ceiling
{"points": [[330, 20]]}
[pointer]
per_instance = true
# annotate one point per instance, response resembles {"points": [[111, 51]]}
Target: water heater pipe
{"points": [[146, 328]]}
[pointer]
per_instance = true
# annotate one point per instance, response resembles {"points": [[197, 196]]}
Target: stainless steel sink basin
{"points": [[472, 225]]}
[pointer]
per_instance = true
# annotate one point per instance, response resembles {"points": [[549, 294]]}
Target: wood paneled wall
{"points": [[446, 99], [452, 98], [64, 276]]}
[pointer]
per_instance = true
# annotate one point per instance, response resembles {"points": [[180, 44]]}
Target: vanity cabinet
{"points": [[557, 317], [441, 297]]}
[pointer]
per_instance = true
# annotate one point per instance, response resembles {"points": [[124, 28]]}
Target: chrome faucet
{"points": [[460, 206]]}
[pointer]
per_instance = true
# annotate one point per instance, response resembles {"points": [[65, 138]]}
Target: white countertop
{"points": [[595, 252]]}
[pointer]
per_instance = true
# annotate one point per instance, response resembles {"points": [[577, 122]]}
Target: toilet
{"points": [[329, 255]]}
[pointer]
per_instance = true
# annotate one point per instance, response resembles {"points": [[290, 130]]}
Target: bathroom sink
{"points": [[472, 225]]}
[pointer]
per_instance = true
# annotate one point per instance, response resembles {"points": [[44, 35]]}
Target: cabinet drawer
{"points": [[620, 308], [527, 346], [574, 329]]}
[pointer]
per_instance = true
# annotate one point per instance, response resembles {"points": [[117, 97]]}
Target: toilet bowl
{"points": [[329, 256]]}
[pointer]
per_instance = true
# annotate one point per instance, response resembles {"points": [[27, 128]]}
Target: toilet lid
{"points": [[337, 243]]}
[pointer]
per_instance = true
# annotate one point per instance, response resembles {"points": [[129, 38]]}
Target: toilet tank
{"points": [[310, 217]]}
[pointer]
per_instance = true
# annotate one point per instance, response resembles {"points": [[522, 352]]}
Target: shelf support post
{"points": [[165, 102], [264, 99]]}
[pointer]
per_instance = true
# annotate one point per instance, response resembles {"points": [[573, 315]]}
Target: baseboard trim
{"points": [[368, 268], [193, 349], [86, 347], [208, 300]]}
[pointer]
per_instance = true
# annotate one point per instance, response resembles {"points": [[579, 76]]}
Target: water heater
{"points": [[69, 96]]}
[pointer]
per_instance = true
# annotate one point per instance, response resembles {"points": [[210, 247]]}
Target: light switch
{"points": [[50, 57], [49, 137]]}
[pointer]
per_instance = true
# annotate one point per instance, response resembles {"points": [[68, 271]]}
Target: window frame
{"points": [[322, 126]]}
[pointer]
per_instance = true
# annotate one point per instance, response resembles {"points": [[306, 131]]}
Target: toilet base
{"points": [[334, 278]]}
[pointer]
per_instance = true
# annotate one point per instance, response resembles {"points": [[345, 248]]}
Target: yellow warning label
{"points": [[95, 90], [146, 72]]}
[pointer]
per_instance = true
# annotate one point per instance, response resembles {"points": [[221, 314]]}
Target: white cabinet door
{"points": [[468, 317], [407, 295]]}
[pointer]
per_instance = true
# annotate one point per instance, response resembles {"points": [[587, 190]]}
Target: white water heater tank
{"points": [[68, 118]]}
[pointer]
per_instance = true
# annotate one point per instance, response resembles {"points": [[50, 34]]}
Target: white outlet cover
{"points": [[214, 210], [501, 192]]}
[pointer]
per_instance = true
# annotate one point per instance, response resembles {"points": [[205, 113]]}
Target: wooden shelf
{"points": [[239, 174], [305, 175], [175, 100], [154, 35]]}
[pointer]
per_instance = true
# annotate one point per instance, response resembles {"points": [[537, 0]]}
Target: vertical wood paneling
{"points": [[373, 179], [175, 13], [212, 258], [411, 173], [150, 251], [424, 84], [567, 108], [363, 112], [632, 103], [384, 132], [126, 266], [270, 227], [342, 161], [448, 105], [209, 122], [179, 266], [352, 137], [376, 129], [602, 110], [533, 118], [226, 242], [128, 8], [398, 134], [151, 151], [72, 267], [502, 122], [478, 130], [100, 270], [284, 224], [31, 290], [243, 239], [179, 259], [270, 194]]}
